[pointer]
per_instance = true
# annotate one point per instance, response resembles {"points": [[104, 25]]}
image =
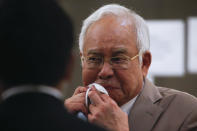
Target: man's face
{"points": [[111, 37]]}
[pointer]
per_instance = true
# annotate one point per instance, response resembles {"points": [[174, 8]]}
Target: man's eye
{"points": [[94, 59], [118, 59]]}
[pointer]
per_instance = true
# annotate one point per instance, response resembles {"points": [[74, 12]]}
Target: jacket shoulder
{"points": [[179, 98]]}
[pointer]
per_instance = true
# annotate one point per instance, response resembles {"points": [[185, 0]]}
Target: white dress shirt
{"points": [[127, 106]]}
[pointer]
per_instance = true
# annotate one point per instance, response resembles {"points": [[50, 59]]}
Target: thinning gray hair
{"points": [[142, 32]]}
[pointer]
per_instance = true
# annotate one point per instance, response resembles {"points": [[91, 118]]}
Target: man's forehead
{"points": [[96, 50], [110, 36], [109, 20]]}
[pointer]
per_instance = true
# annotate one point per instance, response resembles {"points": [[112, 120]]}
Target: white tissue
{"points": [[98, 87]]}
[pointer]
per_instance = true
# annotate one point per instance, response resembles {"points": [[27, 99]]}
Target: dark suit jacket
{"points": [[38, 112], [163, 109]]}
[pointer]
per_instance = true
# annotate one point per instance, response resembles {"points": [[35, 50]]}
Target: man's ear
{"points": [[81, 58], [146, 61]]}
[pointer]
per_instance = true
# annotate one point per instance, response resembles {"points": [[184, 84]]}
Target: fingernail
{"points": [[93, 87]]}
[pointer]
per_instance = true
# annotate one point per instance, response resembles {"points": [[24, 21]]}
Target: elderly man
{"points": [[114, 47]]}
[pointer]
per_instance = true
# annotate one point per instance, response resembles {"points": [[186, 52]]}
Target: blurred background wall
{"points": [[150, 10]]}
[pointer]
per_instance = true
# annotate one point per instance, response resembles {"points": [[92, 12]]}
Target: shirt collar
{"points": [[31, 88], [127, 106]]}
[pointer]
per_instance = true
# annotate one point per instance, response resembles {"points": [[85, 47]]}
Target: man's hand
{"points": [[76, 103], [106, 113]]}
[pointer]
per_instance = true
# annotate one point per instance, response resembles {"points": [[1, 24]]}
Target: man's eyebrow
{"points": [[115, 51], [96, 52], [119, 51]]}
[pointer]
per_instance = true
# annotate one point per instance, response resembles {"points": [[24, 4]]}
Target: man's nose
{"points": [[106, 71]]}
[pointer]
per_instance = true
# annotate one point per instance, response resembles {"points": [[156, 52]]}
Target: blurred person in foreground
{"points": [[36, 38], [114, 49]]}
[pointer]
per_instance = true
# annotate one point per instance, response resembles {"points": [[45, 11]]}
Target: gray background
{"points": [[149, 9]]}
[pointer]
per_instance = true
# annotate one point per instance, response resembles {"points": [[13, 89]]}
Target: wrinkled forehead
{"points": [[114, 50], [112, 33]]}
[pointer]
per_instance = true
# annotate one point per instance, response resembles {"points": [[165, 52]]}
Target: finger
{"points": [[92, 108], [93, 118], [80, 89], [94, 89], [81, 95], [84, 109], [79, 98], [80, 107], [90, 118], [108, 100], [94, 98], [76, 107], [105, 97]]}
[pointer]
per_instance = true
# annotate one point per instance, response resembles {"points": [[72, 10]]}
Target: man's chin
{"points": [[115, 97]]}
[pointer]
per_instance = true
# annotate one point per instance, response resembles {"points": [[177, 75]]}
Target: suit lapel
{"points": [[145, 112]]}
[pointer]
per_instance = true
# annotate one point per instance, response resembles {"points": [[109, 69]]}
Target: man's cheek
{"points": [[116, 95], [88, 77]]}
